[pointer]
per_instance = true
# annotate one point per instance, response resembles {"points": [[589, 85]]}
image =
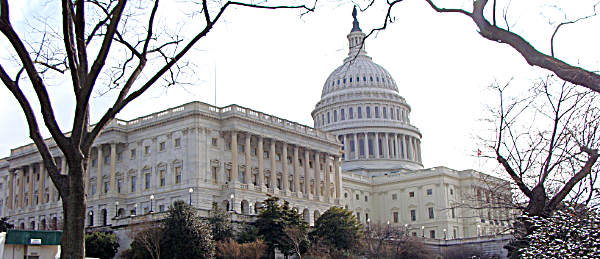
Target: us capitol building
{"points": [[362, 154]]}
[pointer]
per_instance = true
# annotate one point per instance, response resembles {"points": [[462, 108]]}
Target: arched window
{"points": [[350, 114], [376, 111], [361, 144], [104, 217], [384, 112], [352, 145], [368, 112], [91, 218], [344, 80], [380, 144], [328, 117], [370, 147], [371, 79], [398, 113], [350, 79], [343, 114], [334, 115], [357, 79], [392, 113], [359, 113], [322, 119]]}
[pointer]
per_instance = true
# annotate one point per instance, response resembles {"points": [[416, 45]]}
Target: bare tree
{"points": [[148, 234], [494, 31], [296, 236], [80, 49], [546, 140], [389, 241]]}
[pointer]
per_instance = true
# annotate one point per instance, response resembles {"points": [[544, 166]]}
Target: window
{"points": [[376, 111], [395, 214], [228, 172], [359, 113], [106, 187], [429, 191], [432, 233], [241, 148], [147, 183], [227, 145], [328, 117], [266, 154], [147, 150], [430, 209], [454, 236], [133, 183], [310, 164], [394, 197], [350, 114], [357, 197], [361, 144], [253, 151], [414, 234], [367, 217], [162, 175], [299, 162], [93, 191], [177, 142], [289, 159], [368, 112], [397, 114], [215, 142], [161, 208], [120, 186], [277, 157], [384, 113], [162, 146], [343, 114], [178, 174], [411, 194], [119, 157], [391, 113], [323, 118], [413, 215], [346, 195], [335, 116], [358, 216], [451, 192], [133, 153], [453, 213], [214, 174], [364, 78], [366, 198], [106, 160]]}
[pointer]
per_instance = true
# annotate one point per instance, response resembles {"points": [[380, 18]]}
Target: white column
{"points": [[296, 170], [284, 171], [327, 176], [410, 148], [306, 171], [338, 177], [317, 174], [366, 145], [113, 166], [248, 175], [404, 147], [261, 173], [30, 186], [41, 184], [21, 187], [234, 157], [346, 149], [273, 166], [356, 145], [376, 151], [100, 162], [11, 184], [387, 146]]}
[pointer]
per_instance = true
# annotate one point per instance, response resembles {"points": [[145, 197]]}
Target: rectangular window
{"points": [[359, 113], [277, 157], [299, 161], [107, 160], [178, 174], [177, 142], [119, 157], [253, 151], [430, 209], [119, 186], [133, 183], [162, 146], [358, 216], [228, 172], [453, 213], [310, 164], [366, 198], [321, 166], [429, 191], [162, 174], [106, 187], [214, 175], [411, 194], [147, 183], [266, 154], [146, 210], [454, 236], [227, 145], [451, 192], [241, 148], [161, 208], [147, 150], [432, 233], [133, 153], [93, 189], [350, 114], [413, 215], [395, 216], [367, 217], [289, 159], [394, 197], [215, 142], [357, 197]]}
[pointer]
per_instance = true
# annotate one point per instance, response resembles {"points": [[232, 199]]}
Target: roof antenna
{"points": [[215, 84]]}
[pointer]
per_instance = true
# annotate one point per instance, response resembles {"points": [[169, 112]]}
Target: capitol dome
{"points": [[361, 104]]}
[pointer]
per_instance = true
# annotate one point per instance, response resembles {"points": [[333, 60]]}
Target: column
{"points": [[21, 187], [10, 190], [356, 146], [419, 150], [99, 171], [30, 185], [234, 157], [386, 153], [273, 166], [248, 175], [366, 145], [317, 175], [63, 165], [338, 178], [404, 147], [41, 184], [284, 171], [296, 170], [261, 169], [113, 166], [88, 176], [397, 147], [410, 148], [346, 149], [327, 176], [376, 151], [306, 172]]}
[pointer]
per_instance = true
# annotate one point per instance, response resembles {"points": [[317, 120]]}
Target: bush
{"points": [[101, 245]]}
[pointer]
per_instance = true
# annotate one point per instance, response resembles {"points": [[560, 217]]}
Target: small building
{"points": [[30, 244]]}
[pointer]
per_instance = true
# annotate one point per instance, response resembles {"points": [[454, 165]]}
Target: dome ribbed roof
{"points": [[360, 72]]}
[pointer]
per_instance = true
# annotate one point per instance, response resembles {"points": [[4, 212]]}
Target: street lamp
{"points": [[406, 227], [250, 208], [116, 209], [134, 209], [423, 228], [444, 234], [151, 199], [478, 230], [91, 213], [232, 196], [191, 191]]}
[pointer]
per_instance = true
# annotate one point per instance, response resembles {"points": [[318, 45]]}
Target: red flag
{"points": [[478, 152]]}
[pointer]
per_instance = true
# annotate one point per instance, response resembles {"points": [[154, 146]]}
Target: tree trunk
{"points": [[74, 213]]}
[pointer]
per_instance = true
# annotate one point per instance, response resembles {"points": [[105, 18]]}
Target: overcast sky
{"points": [[276, 62]]}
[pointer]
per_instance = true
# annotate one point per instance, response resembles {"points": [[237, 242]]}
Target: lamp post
{"points": [[91, 213], [116, 209], [232, 204], [191, 191], [406, 227], [423, 229], [250, 208], [151, 200], [444, 234], [478, 230], [134, 209]]}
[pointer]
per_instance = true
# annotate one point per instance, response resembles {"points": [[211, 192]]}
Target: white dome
{"points": [[359, 72]]}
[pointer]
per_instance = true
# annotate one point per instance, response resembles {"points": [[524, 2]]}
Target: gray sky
{"points": [[276, 63]]}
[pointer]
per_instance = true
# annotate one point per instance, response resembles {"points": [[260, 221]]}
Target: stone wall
{"points": [[492, 246]]}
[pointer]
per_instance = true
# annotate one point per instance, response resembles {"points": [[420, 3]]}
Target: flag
{"points": [[478, 152]]}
